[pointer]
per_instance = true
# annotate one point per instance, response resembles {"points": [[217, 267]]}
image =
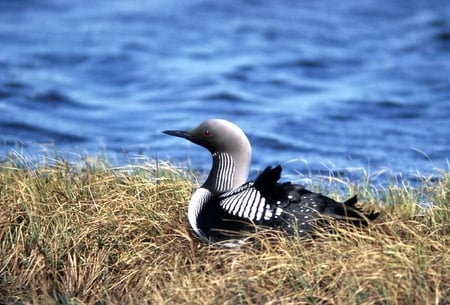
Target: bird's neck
{"points": [[227, 172]]}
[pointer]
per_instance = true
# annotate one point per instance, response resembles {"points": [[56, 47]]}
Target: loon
{"points": [[226, 205]]}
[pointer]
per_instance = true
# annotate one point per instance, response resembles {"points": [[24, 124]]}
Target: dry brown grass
{"points": [[92, 234]]}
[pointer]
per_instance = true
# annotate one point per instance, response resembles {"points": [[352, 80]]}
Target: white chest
{"points": [[200, 197]]}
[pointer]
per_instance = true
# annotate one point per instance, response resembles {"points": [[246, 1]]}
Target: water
{"points": [[316, 85]]}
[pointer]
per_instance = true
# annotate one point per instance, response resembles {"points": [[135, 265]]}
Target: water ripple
{"points": [[362, 84]]}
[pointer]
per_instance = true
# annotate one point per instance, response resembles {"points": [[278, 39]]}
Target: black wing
{"points": [[254, 201], [288, 206], [248, 203]]}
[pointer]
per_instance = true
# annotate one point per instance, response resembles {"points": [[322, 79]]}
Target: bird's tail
{"points": [[349, 212]]}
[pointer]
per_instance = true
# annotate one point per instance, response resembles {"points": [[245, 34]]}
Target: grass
{"points": [[94, 234]]}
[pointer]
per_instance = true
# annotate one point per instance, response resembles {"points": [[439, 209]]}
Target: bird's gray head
{"points": [[226, 142]]}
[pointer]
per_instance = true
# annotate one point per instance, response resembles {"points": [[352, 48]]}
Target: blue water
{"points": [[316, 85]]}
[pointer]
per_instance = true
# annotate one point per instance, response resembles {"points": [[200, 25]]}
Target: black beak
{"points": [[186, 135], [179, 133]]}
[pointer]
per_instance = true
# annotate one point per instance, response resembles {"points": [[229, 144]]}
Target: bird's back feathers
{"points": [[289, 207]]}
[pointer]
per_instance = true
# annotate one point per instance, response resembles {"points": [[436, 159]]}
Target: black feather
{"points": [[288, 207]]}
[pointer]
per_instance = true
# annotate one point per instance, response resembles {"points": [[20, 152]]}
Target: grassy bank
{"points": [[92, 234]]}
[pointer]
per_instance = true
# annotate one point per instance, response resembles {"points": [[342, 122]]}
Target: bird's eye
{"points": [[207, 133]]}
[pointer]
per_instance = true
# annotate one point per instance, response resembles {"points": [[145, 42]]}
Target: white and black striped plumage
{"points": [[226, 205]]}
